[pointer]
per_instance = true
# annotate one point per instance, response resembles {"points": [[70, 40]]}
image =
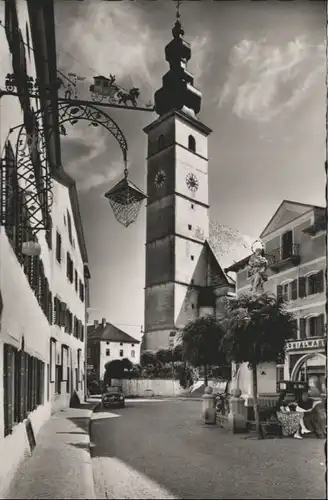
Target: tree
{"points": [[148, 358], [257, 327], [113, 369], [201, 343], [127, 367], [162, 355]]}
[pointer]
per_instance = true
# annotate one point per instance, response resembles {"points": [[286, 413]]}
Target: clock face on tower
{"points": [[160, 178], [192, 182]]}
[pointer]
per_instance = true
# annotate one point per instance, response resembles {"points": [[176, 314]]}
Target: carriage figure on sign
{"points": [[106, 89]]}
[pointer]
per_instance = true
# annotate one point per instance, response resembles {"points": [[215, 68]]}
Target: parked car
{"points": [[113, 396]]}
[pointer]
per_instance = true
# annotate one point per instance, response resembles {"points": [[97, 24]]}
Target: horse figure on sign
{"points": [[132, 96]]}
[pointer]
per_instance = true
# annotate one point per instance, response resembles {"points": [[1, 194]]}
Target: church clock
{"points": [[192, 182], [160, 178]]}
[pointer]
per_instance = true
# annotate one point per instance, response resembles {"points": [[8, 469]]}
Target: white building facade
{"points": [[42, 297], [107, 343]]}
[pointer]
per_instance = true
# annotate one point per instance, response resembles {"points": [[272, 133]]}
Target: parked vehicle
{"points": [[113, 396]]}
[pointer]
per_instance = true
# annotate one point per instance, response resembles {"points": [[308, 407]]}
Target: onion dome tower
{"points": [[178, 92]]}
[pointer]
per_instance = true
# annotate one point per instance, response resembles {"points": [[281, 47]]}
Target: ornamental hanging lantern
{"points": [[125, 199], [31, 248]]}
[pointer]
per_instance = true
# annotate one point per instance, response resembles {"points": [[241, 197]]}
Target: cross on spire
{"points": [[178, 15]]}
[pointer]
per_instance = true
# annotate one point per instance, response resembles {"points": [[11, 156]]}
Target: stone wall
{"points": [[150, 387]]}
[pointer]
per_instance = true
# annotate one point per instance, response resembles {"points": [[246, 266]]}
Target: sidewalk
{"points": [[60, 465]]}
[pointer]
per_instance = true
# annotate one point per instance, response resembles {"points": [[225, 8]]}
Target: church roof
{"points": [[110, 333], [229, 245]]}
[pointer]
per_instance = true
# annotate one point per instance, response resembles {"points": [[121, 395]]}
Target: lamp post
{"points": [[125, 198]]}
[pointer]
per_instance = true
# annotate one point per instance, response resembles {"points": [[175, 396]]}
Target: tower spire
{"points": [[177, 91]]}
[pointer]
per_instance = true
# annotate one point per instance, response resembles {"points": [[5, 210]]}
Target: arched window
{"points": [[160, 142], [286, 290], [192, 143]]}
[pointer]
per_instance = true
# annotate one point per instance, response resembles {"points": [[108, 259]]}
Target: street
{"points": [[160, 449]]}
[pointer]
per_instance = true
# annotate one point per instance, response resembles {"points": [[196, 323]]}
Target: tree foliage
{"points": [[257, 327], [119, 369], [201, 343], [148, 358]]}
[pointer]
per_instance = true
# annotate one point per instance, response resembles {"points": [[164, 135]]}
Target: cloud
{"points": [[108, 37], [264, 80], [92, 168]]}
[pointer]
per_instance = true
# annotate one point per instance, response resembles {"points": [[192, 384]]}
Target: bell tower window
{"points": [[192, 143]]}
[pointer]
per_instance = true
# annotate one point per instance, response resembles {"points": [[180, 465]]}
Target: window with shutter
{"points": [[58, 246], [56, 315], [19, 229], [294, 290], [8, 385], [40, 277], [35, 273], [45, 296], [279, 291], [26, 383], [320, 281], [75, 327], [52, 365], [287, 245], [42, 365], [79, 329], [320, 327], [63, 308], [312, 284], [22, 385], [30, 384], [69, 227], [302, 287], [302, 328], [50, 308], [49, 232], [295, 325], [81, 291], [286, 291]]}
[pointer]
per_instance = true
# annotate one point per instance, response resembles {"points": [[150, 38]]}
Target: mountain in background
{"points": [[229, 245]]}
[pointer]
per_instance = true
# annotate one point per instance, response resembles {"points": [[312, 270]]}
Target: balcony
{"points": [[283, 257]]}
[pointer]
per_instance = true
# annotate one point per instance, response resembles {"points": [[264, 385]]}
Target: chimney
{"points": [[96, 323], [103, 321]]}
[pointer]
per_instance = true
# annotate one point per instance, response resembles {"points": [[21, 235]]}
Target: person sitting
{"points": [[309, 420]]}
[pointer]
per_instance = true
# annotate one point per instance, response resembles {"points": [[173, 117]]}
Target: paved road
{"points": [[162, 450]]}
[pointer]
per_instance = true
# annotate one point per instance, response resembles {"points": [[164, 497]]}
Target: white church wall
{"points": [[182, 132], [191, 219]]}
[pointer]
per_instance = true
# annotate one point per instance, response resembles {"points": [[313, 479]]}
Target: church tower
{"points": [[177, 209]]}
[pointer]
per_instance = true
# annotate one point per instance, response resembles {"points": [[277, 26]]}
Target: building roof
{"points": [[240, 264], [294, 206], [109, 333]]}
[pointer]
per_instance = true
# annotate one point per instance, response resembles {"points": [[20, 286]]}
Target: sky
{"points": [[261, 69]]}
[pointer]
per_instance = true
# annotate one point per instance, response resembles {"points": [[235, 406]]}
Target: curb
{"points": [[89, 483]]}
